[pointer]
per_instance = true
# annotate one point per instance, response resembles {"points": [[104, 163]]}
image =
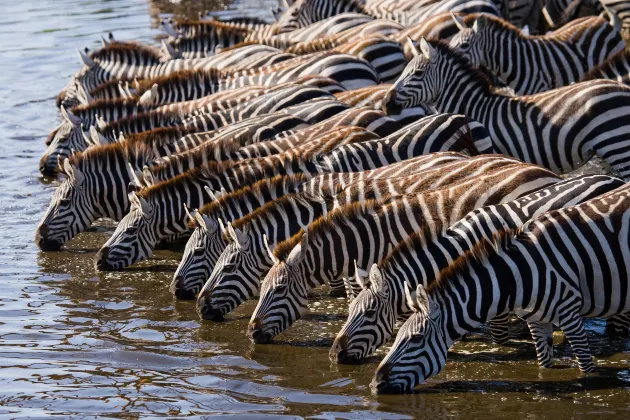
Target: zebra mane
{"points": [[114, 103], [143, 118], [281, 201], [171, 80], [315, 45], [96, 155], [418, 240], [200, 27], [325, 223], [463, 63], [478, 253], [260, 187], [109, 86], [245, 44], [117, 50], [159, 137], [210, 169]]}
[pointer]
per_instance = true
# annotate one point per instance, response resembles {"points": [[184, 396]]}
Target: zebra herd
{"points": [[406, 153]]}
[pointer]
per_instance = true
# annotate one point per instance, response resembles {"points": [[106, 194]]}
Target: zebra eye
{"points": [[199, 251], [416, 339], [370, 313], [464, 46], [64, 201], [281, 287], [131, 230]]}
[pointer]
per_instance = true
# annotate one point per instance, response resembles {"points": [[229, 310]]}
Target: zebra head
{"points": [[283, 296], [235, 277], [63, 141], [134, 237], [294, 17], [419, 350], [418, 83], [69, 211], [370, 323], [471, 42], [203, 247]]}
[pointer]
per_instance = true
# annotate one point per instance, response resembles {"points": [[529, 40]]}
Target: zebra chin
{"points": [[382, 384], [185, 288]]}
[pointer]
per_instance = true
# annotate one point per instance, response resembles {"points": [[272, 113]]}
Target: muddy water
{"points": [[77, 342]]}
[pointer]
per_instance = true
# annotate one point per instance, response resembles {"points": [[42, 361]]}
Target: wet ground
{"points": [[77, 342]]}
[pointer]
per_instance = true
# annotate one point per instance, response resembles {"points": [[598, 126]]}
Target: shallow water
{"points": [[77, 342]]}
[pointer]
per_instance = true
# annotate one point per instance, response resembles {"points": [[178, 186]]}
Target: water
{"points": [[77, 342]]}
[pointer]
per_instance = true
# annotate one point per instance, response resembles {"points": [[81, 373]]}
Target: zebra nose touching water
{"points": [[339, 146]]}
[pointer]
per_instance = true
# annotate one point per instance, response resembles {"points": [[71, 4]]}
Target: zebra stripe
{"points": [[617, 67], [420, 258], [586, 277], [365, 233], [536, 64], [559, 129]]}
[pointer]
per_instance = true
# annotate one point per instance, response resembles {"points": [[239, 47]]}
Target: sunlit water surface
{"points": [[77, 342]]}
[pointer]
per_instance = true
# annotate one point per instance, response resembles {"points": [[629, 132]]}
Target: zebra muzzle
{"points": [[256, 334], [102, 260], [208, 312], [42, 241], [339, 352]]}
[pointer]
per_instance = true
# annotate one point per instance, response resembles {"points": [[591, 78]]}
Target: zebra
{"points": [[425, 12], [206, 241], [365, 232], [586, 277], [205, 38], [89, 192], [196, 265], [373, 312], [231, 284], [163, 217], [536, 64], [306, 12], [559, 129]]}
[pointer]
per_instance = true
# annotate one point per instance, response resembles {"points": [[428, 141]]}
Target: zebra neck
{"points": [[478, 294]]}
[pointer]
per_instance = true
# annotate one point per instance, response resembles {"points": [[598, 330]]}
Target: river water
{"points": [[74, 342]]}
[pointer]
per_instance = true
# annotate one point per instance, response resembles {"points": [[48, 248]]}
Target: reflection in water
{"points": [[74, 341]]}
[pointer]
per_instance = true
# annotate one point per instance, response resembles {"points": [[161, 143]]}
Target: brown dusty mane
{"points": [[479, 252], [324, 223], [145, 52], [205, 171], [134, 119], [180, 77], [181, 24], [259, 187], [104, 103], [94, 155], [280, 201], [160, 136], [110, 86], [243, 44]]}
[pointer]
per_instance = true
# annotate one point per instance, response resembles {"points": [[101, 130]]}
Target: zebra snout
{"points": [[381, 382], [179, 291], [208, 312], [339, 351], [390, 107], [46, 167], [256, 334], [102, 262], [42, 241]]}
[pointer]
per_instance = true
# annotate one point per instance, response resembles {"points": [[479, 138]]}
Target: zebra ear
{"points": [[614, 19], [411, 298], [101, 123], [104, 41], [86, 59], [376, 280], [426, 48], [412, 47], [525, 30], [97, 138], [361, 277], [459, 22], [268, 248], [297, 254], [422, 300], [150, 96], [73, 172], [168, 51], [70, 117], [210, 193], [147, 177], [145, 207], [480, 23]]}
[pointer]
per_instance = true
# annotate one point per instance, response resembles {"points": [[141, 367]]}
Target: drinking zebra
{"points": [[365, 232], [559, 129], [562, 266], [419, 259]]}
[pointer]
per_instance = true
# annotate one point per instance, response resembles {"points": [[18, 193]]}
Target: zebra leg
{"points": [[499, 328], [573, 327], [618, 325], [337, 288], [542, 333]]}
